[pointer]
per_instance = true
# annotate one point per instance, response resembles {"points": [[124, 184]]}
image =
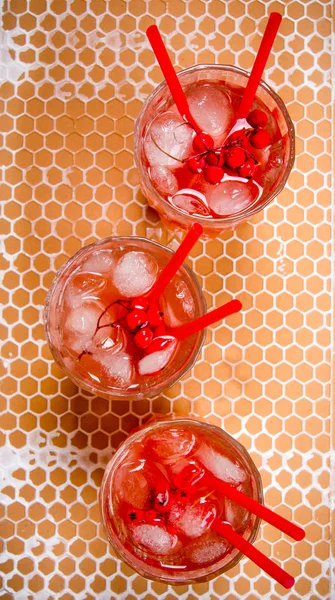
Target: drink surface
{"points": [[105, 331], [227, 177], [158, 507]]}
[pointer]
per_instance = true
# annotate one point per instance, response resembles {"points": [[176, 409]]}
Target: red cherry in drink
{"points": [[260, 139], [238, 138], [143, 337], [215, 158], [257, 118], [134, 515], [248, 168], [181, 496], [212, 159], [213, 174], [235, 157], [135, 318], [154, 315], [202, 143], [139, 303], [196, 165]]}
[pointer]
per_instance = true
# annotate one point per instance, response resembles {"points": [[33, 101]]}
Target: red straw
{"points": [[255, 507], [259, 64], [170, 75], [208, 319], [255, 555], [176, 261]]}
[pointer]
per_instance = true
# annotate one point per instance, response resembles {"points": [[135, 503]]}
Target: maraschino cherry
{"points": [[135, 318], [202, 143], [143, 337], [235, 157], [257, 118], [196, 165], [260, 139], [248, 168], [213, 174]]}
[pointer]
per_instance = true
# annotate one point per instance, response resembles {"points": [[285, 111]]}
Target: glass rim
{"points": [[120, 394], [136, 436], [254, 209]]}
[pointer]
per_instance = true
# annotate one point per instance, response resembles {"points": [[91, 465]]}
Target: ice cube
{"points": [[194, 520], [83, 286], [156, 361], [181, 308], [172, 444], [155, 538], [191, 202], [168, 140], [235, 514], [221, 466], [273, 165], [83, 321], [176, 512], [208, 549], [134, 274], [131, 484], [232, 196], [277, 154], [80, 326], [118, 367], [212, 110], [101, 261], [163, 179]]}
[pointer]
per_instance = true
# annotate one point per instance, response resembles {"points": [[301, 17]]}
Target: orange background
{"points": [[74, 76]]}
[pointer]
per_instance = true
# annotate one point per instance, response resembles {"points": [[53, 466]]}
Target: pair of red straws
{"points": [[237, 540], [173, 82]]}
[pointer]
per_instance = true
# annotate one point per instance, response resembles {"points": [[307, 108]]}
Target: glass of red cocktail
{"points": [[158, 508], [221, 179], [104, 330]]}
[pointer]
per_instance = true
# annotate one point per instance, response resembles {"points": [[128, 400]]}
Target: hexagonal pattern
{"points": [[73, 78]]}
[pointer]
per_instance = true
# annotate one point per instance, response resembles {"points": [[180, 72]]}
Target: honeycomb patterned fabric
{"points": [[74, 75]]}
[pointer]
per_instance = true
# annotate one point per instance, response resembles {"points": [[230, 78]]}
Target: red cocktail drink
{"points": [[106, 332], [225, 177], [158, 503]]}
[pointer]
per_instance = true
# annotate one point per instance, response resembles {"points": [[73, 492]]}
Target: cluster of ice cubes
{"points": [[132, 274], [169, 139], [192, 518]]}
